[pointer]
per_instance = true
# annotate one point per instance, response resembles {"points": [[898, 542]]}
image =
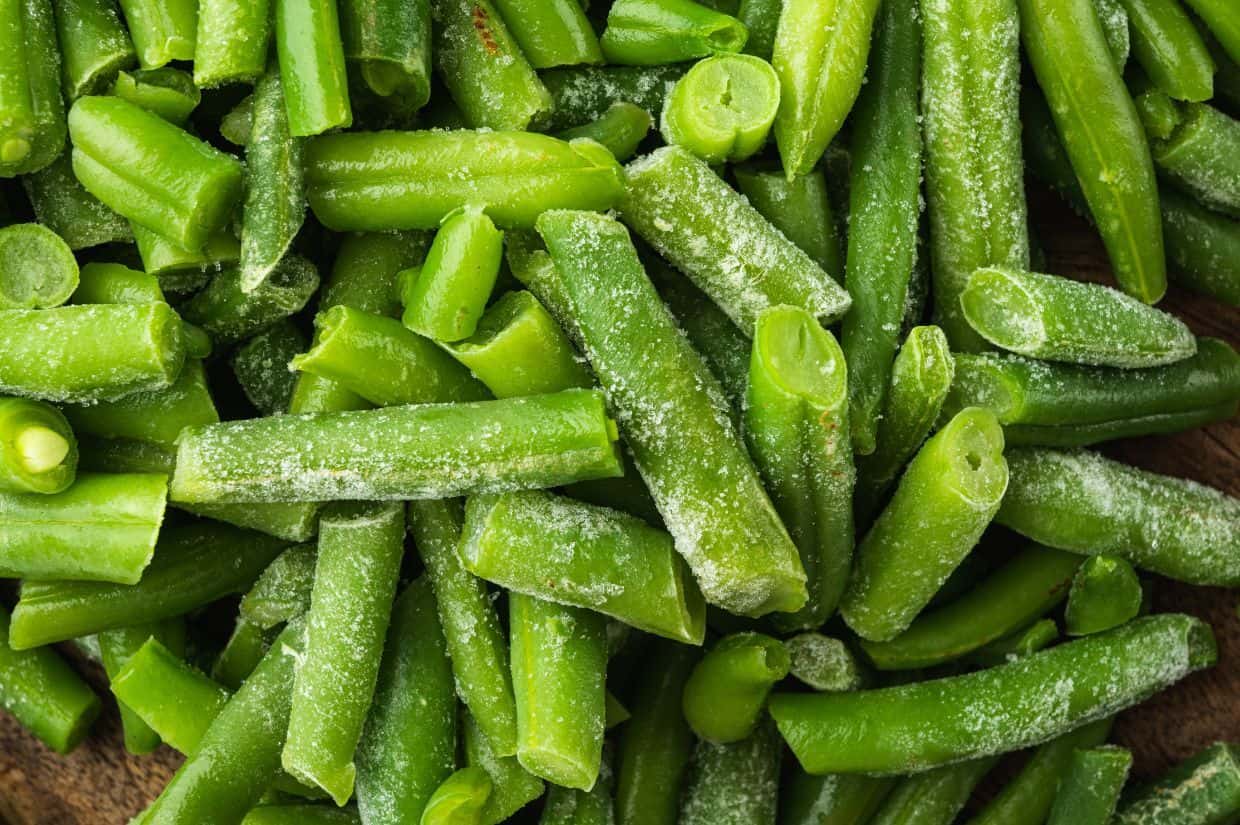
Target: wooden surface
{"points": [[100, 783]]}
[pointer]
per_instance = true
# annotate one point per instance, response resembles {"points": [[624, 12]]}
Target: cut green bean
{"points": [[1169, 49], [382, 361], [621, 129], [1204, 788], [162, 30], [1057, 319], [230, 314], [1035, 637], [185, 270], [33, 132], [107, 283], [920, 380], [94, 45], [653, 32], [195, 565], [430, 451], [1081, 502], [1223, 22], [475, 640], [733, 783], [116, 648], [169, 93], [275, 202], [232, 41], [974, 175], [555, 33], [1202, 247], [1091, 787], [411, 180], [833, 799], [150, 171], [312, 66], [261, 367], [1114, 19], [726, 529], [824, 663], [559, 662], [459, 799], [157, 416], [708, 230], [1105, 594], [796, 426], [37, 268], [725, 694], [934, 797], [38, 450], [820, 53], [799, 208], [487, 75], [926, 724], [1021, 591], [389, 41], [63, 205], [512, 787], [175, 700], [761, 18], [584, 93], [282, 592], [444, 298], [569, 806], [946, 498], [102, 528], [1200, 157], [242, 652], [289, 521], [585, 556], [723, 108]]}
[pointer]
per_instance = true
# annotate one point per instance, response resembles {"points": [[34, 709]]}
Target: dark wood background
{"points": [[101, 783]]}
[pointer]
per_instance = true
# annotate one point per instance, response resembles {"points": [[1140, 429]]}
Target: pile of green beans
{"points": [[624, 412]]}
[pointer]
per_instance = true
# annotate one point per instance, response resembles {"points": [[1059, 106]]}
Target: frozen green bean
{"points": [[33, 132], [1105, 593], [1091, 787], [1035, 637], [230, 314], [116, 648], [446, 296], [512, 787], [94, 45], [63, 205], [261, 367], [800, 208], [459, 799], [621, 129], [232, 40], [584, 93], [1204, 788], [934, 797], [733, 783], [653, 32], [389, 41], [242, 652], [157, 416], [723, 107], [175, 700], [37, 268], [1202, 247], [282, 590], [162, 30], [1167, 46], [167, 92], [1200, 157], [824, 663], [38, 450], [185, 270], [312, 66], [833, 799], [108, 283], [555, 33], [726, 693]]}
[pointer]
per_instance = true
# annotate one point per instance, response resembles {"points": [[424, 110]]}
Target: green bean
{"points": [[799, 208], [512, 787], [1204, 788], [430, 451], [700, 224], [476, 643], [383, 362], [108, 283], [389, 41], [621, 128], [301, 814], [33, 132], [94, 45], [167, 92], [1202, 247], [733, 783], [1105, 594], [175, 700], [584, 556], [946, 498], [185, 270], [934, 797], [63, 205], [761, 18], [1084, 503], [1089, 790], [162, 30], [926, 724], [1102, 135], [726, 692], [38, 451], [833, 799], [1013, 646], [459, 799], [559, 659], [584, 93], [158, 176], [242, 652], [1223, 23], [723, 108], [282, 591], [194, 565], [653, 32], [1169, 49], [422, 176], [239, 754], [487, 75], [232, 41], [295, 521], [235, 125], [446, 296], [569, 806], [37, 268], [1158, 112], [116, 648], [703, 483], [551, 34], [157, 416], [820, 53], [974, 181], [655, 743], [796, 426], [518, 349], [312, 68], [1200, 157], [1022, 590], [275, 201], [1114, 20], [824, 663], [108, 455], [360, 548], [920, 380], [230, 314], [261, 367]]}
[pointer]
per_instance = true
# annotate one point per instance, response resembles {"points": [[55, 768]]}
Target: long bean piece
{"points": [[1088, 792], [232, 41], [733, 783], [33, 132], [390, 42], [94, 45], [312, 67]]}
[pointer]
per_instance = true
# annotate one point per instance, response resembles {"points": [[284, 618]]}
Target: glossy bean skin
{"points": [[1224, 23], [1199, 157], [459, 799], [1169, 49], [725, 694], [161, 32], [312, 66], [654, 32], [157, 416], [167, 92], [116, 648], [33, 133], [512, 786], [831, 799], [620, 128], [551, 34], [389, 41], [94, 45], [446, 296], [1105, 593], [934, 797], [1090, 790]]}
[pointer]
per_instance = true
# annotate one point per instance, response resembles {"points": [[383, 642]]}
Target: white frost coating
{"points": [[822, 663], [1202, 789], [712, 234], [733, 784]]}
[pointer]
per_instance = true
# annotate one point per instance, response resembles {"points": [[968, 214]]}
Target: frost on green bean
{"points": [[1202, 789]]}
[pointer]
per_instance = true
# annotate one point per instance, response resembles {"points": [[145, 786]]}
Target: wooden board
{"points": [[100, 783]]}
